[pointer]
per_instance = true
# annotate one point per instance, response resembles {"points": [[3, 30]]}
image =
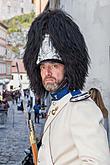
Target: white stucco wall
{"points": [[93, 18], [16, 82], [14, 7], [3, 35]]}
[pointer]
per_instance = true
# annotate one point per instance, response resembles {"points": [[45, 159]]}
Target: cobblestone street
{"points": [[14, 137]]}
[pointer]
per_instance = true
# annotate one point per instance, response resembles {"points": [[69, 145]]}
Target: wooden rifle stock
{"points": [[33, 142]]}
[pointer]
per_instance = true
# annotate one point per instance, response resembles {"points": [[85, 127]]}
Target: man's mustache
{"points": [[49, 77]]}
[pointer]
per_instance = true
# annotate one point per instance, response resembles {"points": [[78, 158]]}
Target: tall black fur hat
{"points": [[68, 43]]}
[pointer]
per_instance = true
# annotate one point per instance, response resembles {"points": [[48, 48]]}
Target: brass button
{"points": [[54, 111], [54, 103]]}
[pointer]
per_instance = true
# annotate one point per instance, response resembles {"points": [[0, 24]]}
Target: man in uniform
{"points": [[56, 60]]}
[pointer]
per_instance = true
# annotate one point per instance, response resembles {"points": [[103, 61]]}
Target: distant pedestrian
{"points": [[29, 109], [1, 97], [13, 96], [97, 98], [6, 105], [37, 108], [1, 106], [20, 104]]}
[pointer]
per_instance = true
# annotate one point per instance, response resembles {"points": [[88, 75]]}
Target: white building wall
{"points": [[3, 35], [93, 18], [14, 7], [15, 82], [25, 81]]}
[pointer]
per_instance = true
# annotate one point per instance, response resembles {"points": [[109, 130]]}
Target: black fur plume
{"points": [[68, 41]]}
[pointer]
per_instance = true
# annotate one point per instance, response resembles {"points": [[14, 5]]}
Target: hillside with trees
{"points": [[17, 23], [18, 27]]}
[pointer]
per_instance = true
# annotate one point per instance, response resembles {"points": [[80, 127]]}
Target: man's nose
{"points": [[48, 71]]}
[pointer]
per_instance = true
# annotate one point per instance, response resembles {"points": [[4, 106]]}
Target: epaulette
{"points": [[80, 97]]}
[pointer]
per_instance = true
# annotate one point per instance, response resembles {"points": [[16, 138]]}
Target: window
{"points": [[21, 77], [22, 10], [2, 68], [9, 7], [11, 86], [8, 69], [2, 51]]}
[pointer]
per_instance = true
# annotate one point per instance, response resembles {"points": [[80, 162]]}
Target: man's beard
{"points": [[51, 87]]}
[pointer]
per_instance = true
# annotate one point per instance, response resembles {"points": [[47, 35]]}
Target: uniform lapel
{"points": [[55, 109]]}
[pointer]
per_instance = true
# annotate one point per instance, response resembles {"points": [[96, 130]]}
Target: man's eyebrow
{"points": [[51, 62]]}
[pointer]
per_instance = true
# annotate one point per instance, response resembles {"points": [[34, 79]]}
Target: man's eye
{"points": [[42, 67], [55, 65]]}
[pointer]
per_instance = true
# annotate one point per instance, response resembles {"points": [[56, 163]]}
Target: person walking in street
{"points": [[20, 106], [1, 97], [28, 109], [1, 106], [37, 108], [56, 60], [97, 98], [6, 105]]}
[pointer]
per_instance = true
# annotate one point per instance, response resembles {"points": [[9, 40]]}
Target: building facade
{"points": [[19, 78], [14, 7], [5, 64], [3, 36]]}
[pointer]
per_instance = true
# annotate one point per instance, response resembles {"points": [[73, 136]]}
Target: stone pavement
{"points": [[14, 137]]}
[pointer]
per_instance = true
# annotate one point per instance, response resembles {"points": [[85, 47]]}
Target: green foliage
{"points": [[16, 23], [15, 49]]}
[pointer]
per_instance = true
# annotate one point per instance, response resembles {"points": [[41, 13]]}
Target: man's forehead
{"points": [[51, 62]]}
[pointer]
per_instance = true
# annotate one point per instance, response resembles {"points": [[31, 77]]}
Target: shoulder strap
{"points": [[80, 97]]}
